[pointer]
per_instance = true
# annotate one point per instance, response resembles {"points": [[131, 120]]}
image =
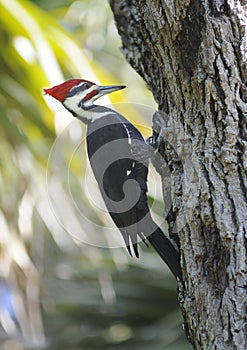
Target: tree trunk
{"points": [[192, 55]]}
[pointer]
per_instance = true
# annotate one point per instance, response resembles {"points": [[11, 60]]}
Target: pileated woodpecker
{"points": [[115, 149]]}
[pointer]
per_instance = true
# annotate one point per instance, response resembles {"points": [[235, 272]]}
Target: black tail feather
{"points": [[129, 245], [135, 246], [167, 251]]}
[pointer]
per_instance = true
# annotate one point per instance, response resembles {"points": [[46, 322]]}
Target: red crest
{"points": [[60, 91]]}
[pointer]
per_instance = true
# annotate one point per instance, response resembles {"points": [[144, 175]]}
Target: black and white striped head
{"points": [[78, 95]]}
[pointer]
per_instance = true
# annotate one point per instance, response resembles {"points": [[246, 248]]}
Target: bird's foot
{"points": [[165, 134]]}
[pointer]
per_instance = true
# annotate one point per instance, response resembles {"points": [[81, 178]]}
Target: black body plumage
{"points": [[122, 179], [119, 159]]}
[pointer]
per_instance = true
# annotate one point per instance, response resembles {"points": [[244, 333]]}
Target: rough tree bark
{"points": [[193, 56]]}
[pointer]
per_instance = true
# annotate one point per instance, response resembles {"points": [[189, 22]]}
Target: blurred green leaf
{"points": [[64, 293]]}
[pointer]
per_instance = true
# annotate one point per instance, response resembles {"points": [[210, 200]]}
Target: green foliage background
{"points": [[55, 291]]}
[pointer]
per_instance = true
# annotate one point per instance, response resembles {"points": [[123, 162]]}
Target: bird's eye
{"points": [[78, 88]]}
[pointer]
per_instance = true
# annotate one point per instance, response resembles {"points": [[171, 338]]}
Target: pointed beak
{"points": [[103, 90]]}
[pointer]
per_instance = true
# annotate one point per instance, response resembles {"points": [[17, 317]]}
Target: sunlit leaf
{"points": [[57, 290]]}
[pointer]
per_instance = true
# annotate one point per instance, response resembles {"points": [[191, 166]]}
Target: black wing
{"points": [[121, 177]]}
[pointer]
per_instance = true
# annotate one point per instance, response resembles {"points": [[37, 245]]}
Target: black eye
{"points": [[78, 88]]}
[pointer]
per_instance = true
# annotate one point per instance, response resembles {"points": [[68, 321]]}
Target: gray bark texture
{"points": [[193, 56]]}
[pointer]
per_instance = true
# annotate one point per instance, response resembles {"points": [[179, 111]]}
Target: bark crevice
{"points": [[192, 55]]}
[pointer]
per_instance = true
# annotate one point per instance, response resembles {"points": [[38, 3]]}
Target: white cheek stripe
{"points": [[76, 86], [72, 103]]}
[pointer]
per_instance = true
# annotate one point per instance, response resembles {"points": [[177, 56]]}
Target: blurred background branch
{"points": [[56, 292]]}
